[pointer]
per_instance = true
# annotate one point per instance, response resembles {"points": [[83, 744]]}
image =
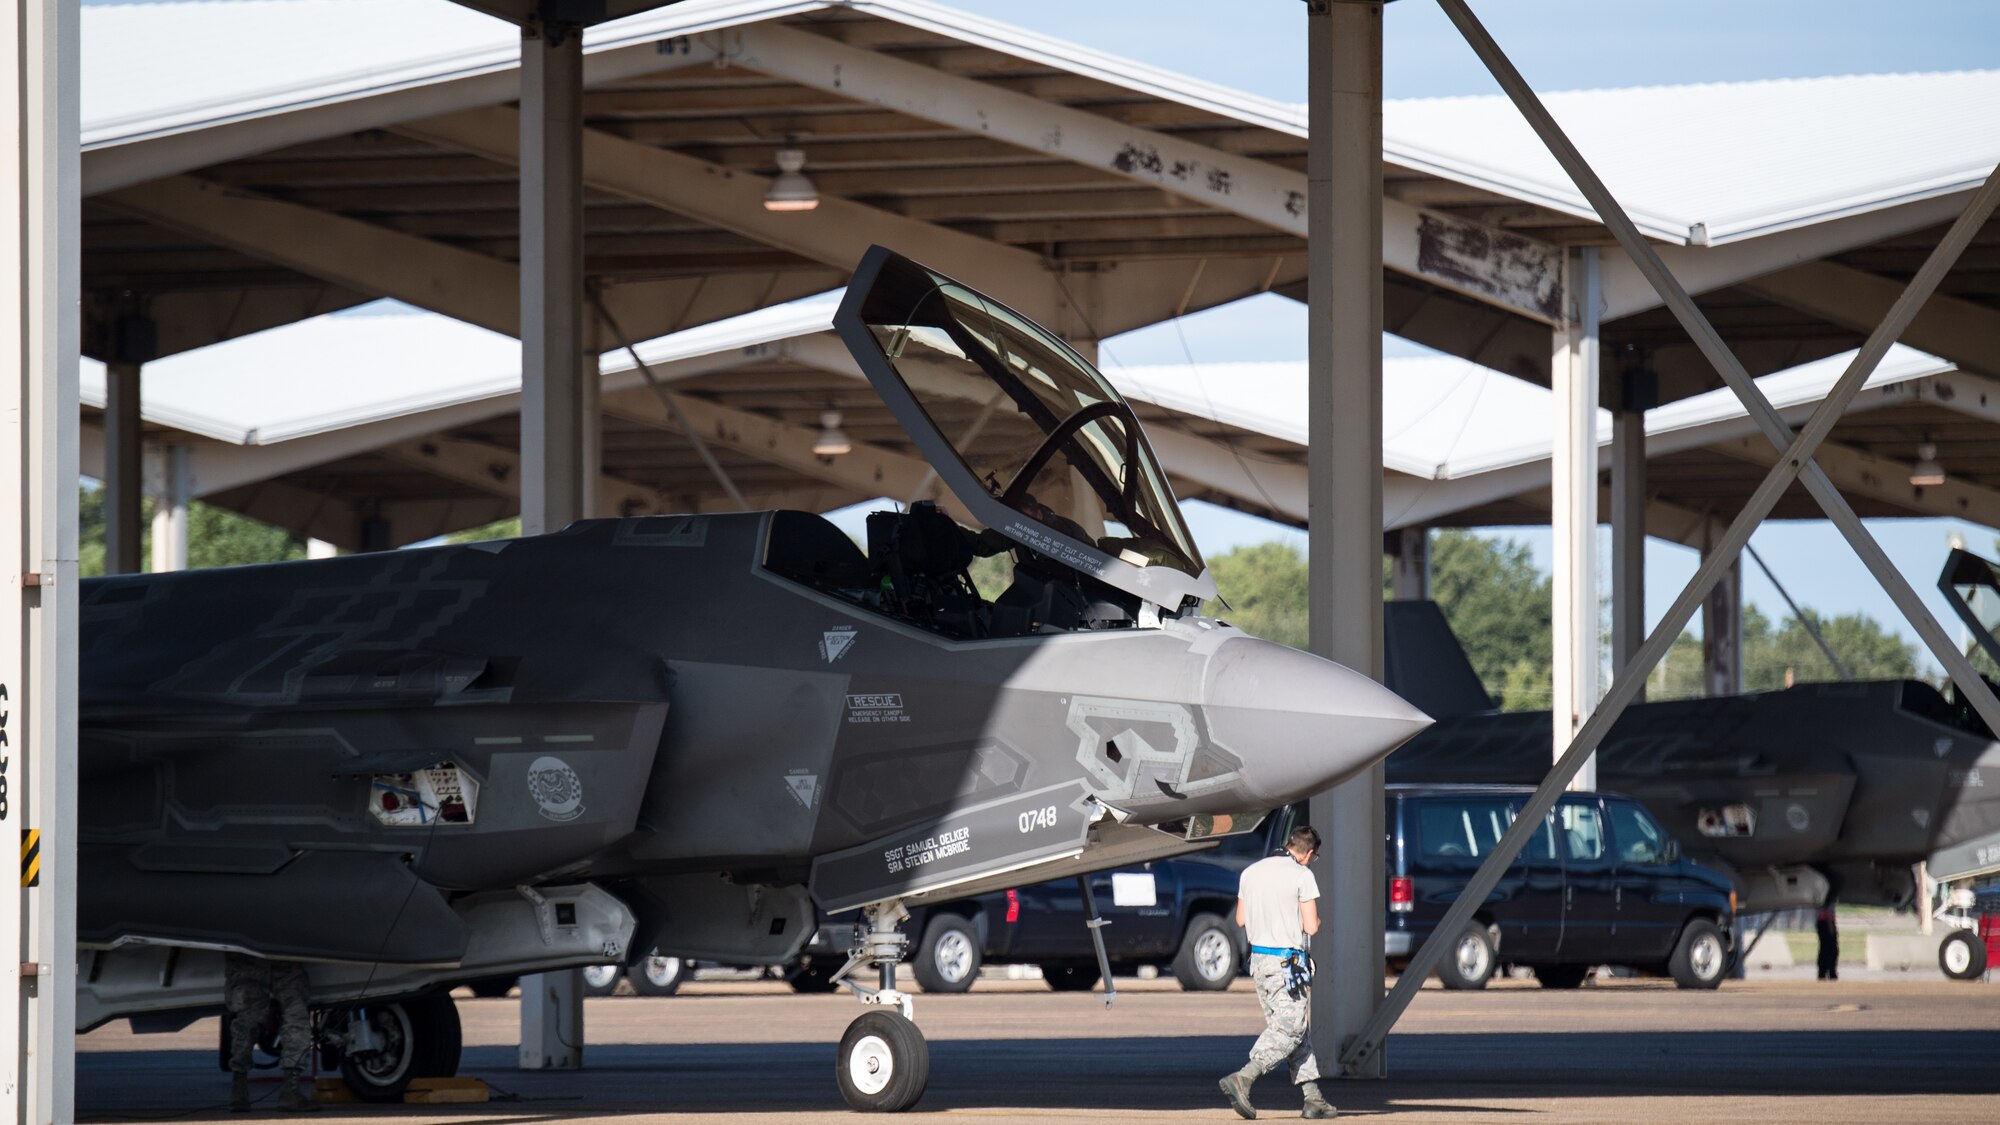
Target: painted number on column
{"points": [[5, 754]]}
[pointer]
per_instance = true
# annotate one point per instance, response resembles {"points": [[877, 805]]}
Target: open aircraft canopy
{"points": [[1080, 485]]}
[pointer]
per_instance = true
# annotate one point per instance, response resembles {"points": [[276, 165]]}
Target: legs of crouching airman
{"points": [[250, 986]]}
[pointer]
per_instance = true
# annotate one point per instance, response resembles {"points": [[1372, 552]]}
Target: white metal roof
{"points": [[1716, 162], [1447, 419], [1738, 158], [349, 369], [1443, 418]]}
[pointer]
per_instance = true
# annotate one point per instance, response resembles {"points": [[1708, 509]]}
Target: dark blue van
{"points": [[1601, 884]]}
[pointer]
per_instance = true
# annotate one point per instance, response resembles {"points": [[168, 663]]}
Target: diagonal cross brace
{"points": [[1795, 449], [1795, 462]]}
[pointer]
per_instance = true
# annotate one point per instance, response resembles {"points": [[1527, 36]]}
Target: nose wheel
{"points": [[884, 1063]]}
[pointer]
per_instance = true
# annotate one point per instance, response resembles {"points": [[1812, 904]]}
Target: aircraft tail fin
{"points": [[1423, 662]]}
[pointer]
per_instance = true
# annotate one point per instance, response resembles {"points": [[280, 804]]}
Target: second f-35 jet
{"points": [[690, 734], [1817, 792]]}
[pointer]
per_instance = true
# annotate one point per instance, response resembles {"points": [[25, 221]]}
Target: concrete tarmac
{"points": [[1013, 1052]]}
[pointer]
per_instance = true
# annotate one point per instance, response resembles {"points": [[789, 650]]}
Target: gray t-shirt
{"points": [[1271, 890]]}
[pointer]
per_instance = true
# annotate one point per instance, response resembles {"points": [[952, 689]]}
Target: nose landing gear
{"points": [[884, 1062]]}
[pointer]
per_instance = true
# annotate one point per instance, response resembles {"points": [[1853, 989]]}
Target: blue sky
{"points": [[1558, 45]]}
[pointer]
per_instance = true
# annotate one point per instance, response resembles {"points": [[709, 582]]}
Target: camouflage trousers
{"points": [[1287, 1023], [250, 985]]}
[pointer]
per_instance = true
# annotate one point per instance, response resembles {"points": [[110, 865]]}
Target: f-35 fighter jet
{"points": [[1817, 792], [691, 734]]}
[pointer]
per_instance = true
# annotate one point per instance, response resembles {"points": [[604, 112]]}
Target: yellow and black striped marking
{"points": [[31, 857]]}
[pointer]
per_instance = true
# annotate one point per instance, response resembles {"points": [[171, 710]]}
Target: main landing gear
{"points": [[884, 1063]]}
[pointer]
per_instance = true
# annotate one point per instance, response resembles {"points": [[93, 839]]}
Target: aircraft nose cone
{"points": [[1299, 723]]}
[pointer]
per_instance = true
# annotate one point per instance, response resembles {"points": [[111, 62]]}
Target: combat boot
{"points": [[239, 1092], [1317, 1107], [1236, 1087], [292, 1098]]}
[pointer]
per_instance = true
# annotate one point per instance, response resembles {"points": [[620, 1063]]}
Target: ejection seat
{"points": [[925, 558]]}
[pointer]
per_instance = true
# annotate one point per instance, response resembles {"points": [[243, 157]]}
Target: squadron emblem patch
{"points": [[556, 788]]}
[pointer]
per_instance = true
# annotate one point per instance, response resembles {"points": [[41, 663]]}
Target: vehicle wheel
{"points": [[1208, 960], [381, 1074], [491, 988], [1470, 962], [948, 958], [1962, 955], [600, 980], [808, 976], [1561, 976], [1699, 960], [658, 975], [884, 1063], [1071, 978]]}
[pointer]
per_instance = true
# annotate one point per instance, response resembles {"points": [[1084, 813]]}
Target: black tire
{"points": [[382, 1075], [601, 980], [440, 1038], [1071, 978], [491, 988], [807, 976], [1701, 958], [1208, 960], [1470, 962], [948, 957], [658, 975], [1962, 956], [1561, 976], [884, 1063]]}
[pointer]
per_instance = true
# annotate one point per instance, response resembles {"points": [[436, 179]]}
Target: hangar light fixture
{"points": [[832, 440], [791, 190], [1927, 472]]}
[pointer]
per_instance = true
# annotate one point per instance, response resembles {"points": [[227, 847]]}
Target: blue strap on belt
{"points": [[1274, 951]]}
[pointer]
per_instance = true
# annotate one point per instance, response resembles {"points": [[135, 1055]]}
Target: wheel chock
{"points": [[422, 1091], [438, 1091]]}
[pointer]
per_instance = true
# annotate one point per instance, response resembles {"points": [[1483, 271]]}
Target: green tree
{"points": [[1265, 589], [509, 528], [1772, 653], [1497, 602], [1489, 589], [216, 536]]}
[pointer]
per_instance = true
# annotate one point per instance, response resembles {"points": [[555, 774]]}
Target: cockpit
{"points": [[917, 569], [1033, 443], [1045, 459]]}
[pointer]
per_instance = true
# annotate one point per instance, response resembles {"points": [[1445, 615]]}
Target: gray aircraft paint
{"points": [[675, 724]]}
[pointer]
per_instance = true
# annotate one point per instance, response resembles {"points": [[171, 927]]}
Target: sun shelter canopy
{"points": [[412, 420], [231, 189]]}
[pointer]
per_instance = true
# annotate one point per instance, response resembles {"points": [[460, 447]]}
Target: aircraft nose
{"points": [[1299, 723]]}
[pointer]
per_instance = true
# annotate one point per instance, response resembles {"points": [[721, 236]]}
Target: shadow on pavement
{"points": [[1156, 1073]]}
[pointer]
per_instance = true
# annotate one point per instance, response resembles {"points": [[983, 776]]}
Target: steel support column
{"points": [[1722, 631], [1344, 490], [557, 388], [1628, 534], [124, 475], [1573, 513], [171, 496], [39, 449], [1409, 550], [552, 343]]}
